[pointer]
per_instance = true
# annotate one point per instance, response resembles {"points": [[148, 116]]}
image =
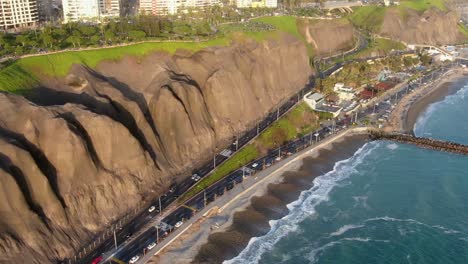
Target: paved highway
{"points": [[380, 111], [130, 245]]}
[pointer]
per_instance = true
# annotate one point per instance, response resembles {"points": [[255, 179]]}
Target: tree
{"points": [[136, 35], [74, 40], [47, 39], [22, 39], [109, 36]]}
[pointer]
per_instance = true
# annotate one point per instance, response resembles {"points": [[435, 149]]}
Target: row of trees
{"points": [[123, 30], [189, 25]]}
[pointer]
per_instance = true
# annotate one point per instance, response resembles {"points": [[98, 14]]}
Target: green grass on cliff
{"points": [[423, 5], [24, 73], [244, 156], [463, 29], [369, 18], [299, 121]]}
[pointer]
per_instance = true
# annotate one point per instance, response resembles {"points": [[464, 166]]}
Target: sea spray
{"points": [[302, 208]]}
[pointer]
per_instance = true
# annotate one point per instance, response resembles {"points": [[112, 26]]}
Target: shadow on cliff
{"points": [[48, 97]]}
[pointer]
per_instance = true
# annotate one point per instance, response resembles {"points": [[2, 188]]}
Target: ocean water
{"points": [[389, 203]]}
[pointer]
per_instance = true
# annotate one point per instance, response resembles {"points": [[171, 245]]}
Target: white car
{"points": [[195, 177], [151, 209], [178, 224], [134, 259], [254, 165], [151, 246]]}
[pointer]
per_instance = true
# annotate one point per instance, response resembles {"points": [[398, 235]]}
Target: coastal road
{"points": [[132, 239], [135, 229], [202, 201]]}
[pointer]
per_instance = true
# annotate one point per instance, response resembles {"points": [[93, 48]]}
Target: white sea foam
{"points": [[303, 207], [360, 201], [444, 229], [392, 146], [345, 229], [420, 125], [314, 254]]}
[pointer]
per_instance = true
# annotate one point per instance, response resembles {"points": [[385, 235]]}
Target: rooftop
{"points": [[315, 96]]}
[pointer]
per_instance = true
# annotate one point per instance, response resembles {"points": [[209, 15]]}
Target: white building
{"points": [[17, 13], [88, 10], [257, 3], [316, 101], [171, 7], [344, 93]]}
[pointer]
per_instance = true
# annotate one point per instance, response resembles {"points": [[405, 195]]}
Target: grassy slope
{"points": [[292, 124], [463, 29], [371, 17], [59, 64]]}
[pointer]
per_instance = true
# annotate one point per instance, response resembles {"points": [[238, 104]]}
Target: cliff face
{"points": [[434, 27], [87, 148], [328, 36]]}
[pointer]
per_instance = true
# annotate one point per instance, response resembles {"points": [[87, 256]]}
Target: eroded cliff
{"points": [[432, 27], [85, 149], [328, 37]]}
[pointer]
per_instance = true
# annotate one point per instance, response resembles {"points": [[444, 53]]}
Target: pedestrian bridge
{"points": [[428, 143]]}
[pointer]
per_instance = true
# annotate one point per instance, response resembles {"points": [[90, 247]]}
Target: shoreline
{"points": [[223, 232], [409, 109], [254, 204]]}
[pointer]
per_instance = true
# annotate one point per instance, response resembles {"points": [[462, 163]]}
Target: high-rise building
{"points": [[257, 3], [86, 10], [171, 7], [17, 14]]}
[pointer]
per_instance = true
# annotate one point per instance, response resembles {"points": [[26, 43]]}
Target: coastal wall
{"points": [[85, 149]]}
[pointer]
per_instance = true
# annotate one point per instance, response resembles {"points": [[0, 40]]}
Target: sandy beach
{"points": [[406, 113], [230, 221]]}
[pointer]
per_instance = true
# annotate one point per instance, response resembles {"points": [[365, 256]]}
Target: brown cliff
{"points": [[328, 37], [432, 27], [86, 149]]}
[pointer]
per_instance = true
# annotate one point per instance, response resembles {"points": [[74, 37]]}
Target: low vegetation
{"points": [[423, 5], [369, 18], [299, 121]]}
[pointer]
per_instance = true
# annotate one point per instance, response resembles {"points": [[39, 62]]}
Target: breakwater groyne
{"points": [[427, 143]]}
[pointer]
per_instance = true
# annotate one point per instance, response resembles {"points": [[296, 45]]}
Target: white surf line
{"points": [[321, 145], [172, 240]]}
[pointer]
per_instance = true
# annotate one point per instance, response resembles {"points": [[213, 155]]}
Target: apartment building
{"points": [[257, 3], [89, 10], [16, 14], [165, 7]]}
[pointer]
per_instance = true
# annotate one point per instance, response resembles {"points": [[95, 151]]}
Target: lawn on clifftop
{"points": [[299, 121], [59, 64]]}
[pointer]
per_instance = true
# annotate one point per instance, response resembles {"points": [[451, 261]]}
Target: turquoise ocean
{"points": [[389, 203]]}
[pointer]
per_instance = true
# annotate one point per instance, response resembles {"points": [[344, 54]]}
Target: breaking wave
{"points": [[303, 207]]}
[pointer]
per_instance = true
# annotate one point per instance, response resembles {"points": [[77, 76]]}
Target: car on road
{"points": [[178, 224], [151, 246], [195, 177], [97, 260], [134, 259], [255, 165], [151, 209]]}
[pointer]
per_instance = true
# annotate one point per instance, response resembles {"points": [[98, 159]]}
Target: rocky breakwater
{"points": [[85, 149], [427, 143]]}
